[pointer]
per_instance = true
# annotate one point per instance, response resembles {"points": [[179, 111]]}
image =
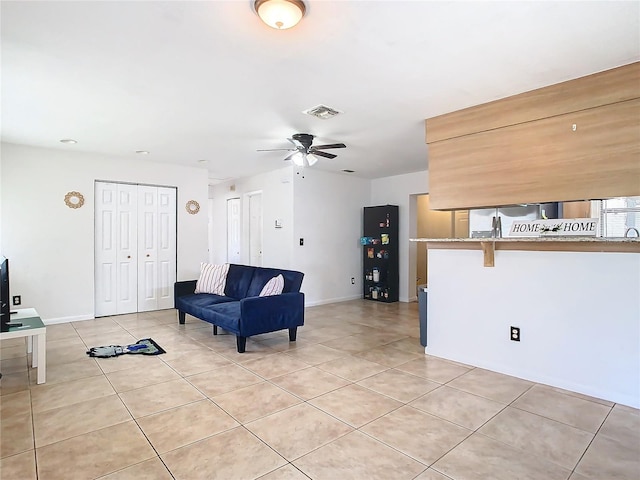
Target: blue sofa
{"points": [[241, 310]]}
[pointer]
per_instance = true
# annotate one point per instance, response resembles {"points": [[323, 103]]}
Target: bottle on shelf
{"points": [[387, 219], [376, 274]]}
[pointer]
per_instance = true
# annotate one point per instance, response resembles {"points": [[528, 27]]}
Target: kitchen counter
{"points": [[558, 244], [534, 239], [575, 300]]}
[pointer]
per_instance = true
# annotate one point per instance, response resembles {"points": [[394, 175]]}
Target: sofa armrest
{"points": [[267, 314], [186, 287]]}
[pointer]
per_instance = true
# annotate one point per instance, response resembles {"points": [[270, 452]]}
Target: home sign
{"points": [[561, 227]]}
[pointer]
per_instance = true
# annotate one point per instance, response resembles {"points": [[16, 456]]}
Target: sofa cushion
{"points": [[195, 302], [292, 280], [238, 280], [273, 286], [225, 315], [213, 278]]}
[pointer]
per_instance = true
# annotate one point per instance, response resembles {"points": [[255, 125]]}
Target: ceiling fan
{"points": [[303, 153]]}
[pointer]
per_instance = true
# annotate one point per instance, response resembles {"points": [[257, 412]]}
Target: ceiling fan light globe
{"points": [[311, 160], [280, 14], [298, 159]]}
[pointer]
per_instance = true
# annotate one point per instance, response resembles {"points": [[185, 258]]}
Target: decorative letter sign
{"points": [[561, 227]]}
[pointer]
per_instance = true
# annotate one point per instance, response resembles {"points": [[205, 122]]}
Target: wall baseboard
{"points": [[531, 376], [332, 300], [352, 297], [75, 318]]}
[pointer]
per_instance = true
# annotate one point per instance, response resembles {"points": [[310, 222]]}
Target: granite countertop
{"points": [[532, 239]]}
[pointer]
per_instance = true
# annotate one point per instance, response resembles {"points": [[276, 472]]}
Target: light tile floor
{"points": [[354, 398]]}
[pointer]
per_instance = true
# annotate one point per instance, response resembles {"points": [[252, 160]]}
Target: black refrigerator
{"points": [[380, 253]]}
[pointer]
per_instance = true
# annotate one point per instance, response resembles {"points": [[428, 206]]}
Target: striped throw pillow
{"points": [[213, 278], [273, 286]]}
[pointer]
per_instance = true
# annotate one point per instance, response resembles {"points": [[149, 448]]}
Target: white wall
{"points": [[51, 246], [579, 315], [323, 208], [401, 190], [328, 209], [277, 193]]}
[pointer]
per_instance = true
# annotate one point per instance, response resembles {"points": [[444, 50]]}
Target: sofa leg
{"points": [[241, 342], [181, 317], [215, 329], [292, 334]]}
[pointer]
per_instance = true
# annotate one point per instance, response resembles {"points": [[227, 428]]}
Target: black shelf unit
{"points": [[380, 253]]}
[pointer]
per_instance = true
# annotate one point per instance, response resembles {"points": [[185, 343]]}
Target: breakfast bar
{"points": [[575, 301]]}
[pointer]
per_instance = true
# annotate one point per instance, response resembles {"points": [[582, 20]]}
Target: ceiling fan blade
{"points": [[318, 153], [296, 143], [288, 157], [275, 150], [333, 145]]}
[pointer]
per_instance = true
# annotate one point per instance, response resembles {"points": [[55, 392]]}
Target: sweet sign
{"points": [[562, 227]]}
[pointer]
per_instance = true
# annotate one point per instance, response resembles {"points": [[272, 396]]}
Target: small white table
{"points": [[36, 333]]}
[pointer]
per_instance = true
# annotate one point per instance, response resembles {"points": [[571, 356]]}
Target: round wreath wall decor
{"points": [[192, 207], [74, 199]]}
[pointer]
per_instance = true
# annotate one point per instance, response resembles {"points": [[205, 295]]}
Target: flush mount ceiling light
{"points": [[142, 152], [69, 141], [280, 14]]}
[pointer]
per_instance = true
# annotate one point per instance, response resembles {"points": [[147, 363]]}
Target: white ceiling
{"points": [[202, 80]]}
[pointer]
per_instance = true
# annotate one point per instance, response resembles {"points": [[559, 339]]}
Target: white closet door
{"points": [[147, 248], [255, 229], [233, 230], [156, 247], [166, 246], [135, 248], [115, 249]]}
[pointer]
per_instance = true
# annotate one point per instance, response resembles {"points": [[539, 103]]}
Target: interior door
{"points": [[255, 229], [167, 246], [148, 248], [156, 247], [135, 248], [233, 230], [115, 249]]}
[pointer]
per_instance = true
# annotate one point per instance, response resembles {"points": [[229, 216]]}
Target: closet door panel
{"points": [[127, 253], [166, 254], [148, 248], [115, 249], [105, 249]]}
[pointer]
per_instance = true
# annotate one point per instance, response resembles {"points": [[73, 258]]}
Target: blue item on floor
{"points": [[146, 346]]}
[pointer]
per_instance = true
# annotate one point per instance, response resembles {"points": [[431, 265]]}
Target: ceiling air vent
{"points": [[322, 111]]}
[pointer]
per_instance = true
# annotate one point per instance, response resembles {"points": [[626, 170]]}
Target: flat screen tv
{"points": [[5, 306]]}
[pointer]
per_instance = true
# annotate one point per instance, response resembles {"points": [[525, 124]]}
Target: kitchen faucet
{"points": [[626, 233], [496, 227]]}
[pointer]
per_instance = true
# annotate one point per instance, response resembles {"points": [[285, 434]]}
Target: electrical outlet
{"points": [[17, 300], [353, 280], [515, 333]]}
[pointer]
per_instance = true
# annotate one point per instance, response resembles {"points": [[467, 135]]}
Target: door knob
{"points": [[128, 256], [148, 255]]}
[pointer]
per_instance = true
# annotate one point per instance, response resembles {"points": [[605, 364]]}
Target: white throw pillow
{"points": [[213, 278], [273, 286]]}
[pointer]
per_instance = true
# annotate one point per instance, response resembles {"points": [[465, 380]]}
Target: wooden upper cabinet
{"points": [[583, 154], [611, 86], [576, 209]]}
